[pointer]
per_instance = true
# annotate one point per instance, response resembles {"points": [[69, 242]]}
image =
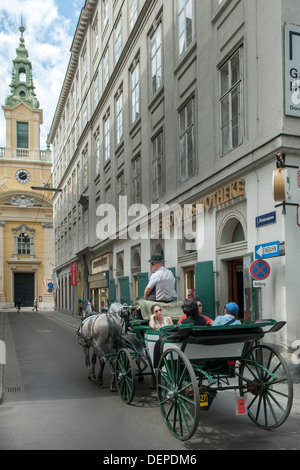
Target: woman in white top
{"points": [[157, 319]]}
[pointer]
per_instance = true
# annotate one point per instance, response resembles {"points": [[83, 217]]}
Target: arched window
{"points": [[136, 259], [232, 232], [23, 244], [23, 240], [238, 234], [120, 264], [157, 248], [22, 75]]}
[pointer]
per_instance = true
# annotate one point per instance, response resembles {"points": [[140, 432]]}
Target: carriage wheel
{"points": [[266, 381], [178, 394], [125, 375]]}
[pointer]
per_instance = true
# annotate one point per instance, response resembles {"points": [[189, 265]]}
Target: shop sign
{"points": [[100, 264], [223, 195], [281, 184], [292, 70], [178, 214], [73, 274]]}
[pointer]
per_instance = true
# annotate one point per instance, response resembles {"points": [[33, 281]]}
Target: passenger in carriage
{"points": [[161, 285], [157, 319], [208, 320], [191, 310], [229, 317]]}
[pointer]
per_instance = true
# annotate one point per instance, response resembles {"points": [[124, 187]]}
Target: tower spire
{"points": [[22, 88]]}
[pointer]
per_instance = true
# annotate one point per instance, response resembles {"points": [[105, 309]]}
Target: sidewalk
{"points": [[74, 322], [66, 318]]}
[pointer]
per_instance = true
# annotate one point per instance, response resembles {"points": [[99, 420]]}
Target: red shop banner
{"points": [[73, 274]]}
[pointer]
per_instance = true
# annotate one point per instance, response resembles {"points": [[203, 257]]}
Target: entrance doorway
{"points": [[99, 298], [24, 288], [236, 284]]}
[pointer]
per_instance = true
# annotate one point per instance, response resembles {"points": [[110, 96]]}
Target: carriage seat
{"points": [[172, 309]]}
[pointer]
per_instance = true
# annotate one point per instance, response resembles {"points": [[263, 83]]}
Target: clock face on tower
{"points": [[22, 176]]}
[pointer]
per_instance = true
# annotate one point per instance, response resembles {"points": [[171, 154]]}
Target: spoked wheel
{"points": [[266, 381], [178, 394], [125, 375]]}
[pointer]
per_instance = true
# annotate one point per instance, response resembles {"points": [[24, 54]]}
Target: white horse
{"points": [[102, 333]]}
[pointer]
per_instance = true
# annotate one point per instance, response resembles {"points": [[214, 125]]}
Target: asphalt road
{"points": [[48, 404]]}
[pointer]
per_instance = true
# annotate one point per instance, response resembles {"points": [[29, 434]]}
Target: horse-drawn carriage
{"points": [[190, 365]]}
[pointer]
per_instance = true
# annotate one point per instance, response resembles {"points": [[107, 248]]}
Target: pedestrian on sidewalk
{"points": [[18, 305], [35, 304]]}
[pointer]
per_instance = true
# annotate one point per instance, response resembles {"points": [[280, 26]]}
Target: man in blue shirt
{"points": [[229, 317], [161, 285]]}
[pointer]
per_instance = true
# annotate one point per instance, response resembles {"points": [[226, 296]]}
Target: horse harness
{"points": [[112, 330]]}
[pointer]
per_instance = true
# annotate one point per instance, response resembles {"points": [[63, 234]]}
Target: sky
{"points": [[49, 31]]}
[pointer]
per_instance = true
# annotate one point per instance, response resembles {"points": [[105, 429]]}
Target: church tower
{"points": [[26, 224]]}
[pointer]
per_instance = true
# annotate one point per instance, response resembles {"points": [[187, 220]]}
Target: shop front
{"points": [[101, 269]]}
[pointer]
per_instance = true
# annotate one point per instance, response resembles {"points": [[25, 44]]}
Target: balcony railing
{"points": [[23, 153]]}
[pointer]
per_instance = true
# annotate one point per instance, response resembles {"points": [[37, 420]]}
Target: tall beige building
{"points": [[26, 223], [181, 103]]}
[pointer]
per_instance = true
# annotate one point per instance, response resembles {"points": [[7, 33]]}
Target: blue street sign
{"points": [[266, 219], [267, 250]]}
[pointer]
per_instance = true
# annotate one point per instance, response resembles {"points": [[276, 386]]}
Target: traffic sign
{"points": [[267, 250], [260, 270]]}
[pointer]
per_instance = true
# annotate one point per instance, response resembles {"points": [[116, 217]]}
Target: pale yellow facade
{"points": [[26, 224]]}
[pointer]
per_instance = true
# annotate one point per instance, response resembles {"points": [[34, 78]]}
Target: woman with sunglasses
{"points": [[157, 319]]}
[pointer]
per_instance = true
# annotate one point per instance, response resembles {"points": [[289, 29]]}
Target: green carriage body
{"points": [[190, 363]]}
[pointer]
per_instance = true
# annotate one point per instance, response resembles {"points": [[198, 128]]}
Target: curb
{"points": [[60, 318], [1, 365]]}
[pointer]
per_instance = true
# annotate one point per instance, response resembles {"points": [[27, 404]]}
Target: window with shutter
{"points": [[112, 291], [125, 290], [142, 281], [22, 135], [205, 289]]}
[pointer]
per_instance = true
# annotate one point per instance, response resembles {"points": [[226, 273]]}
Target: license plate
{"points": [[203, 399]]}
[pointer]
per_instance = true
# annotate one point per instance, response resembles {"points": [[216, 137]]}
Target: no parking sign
{"points": [[260, 270]]}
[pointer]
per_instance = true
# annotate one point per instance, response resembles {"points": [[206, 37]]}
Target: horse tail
{"points": [[113, 331]]}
